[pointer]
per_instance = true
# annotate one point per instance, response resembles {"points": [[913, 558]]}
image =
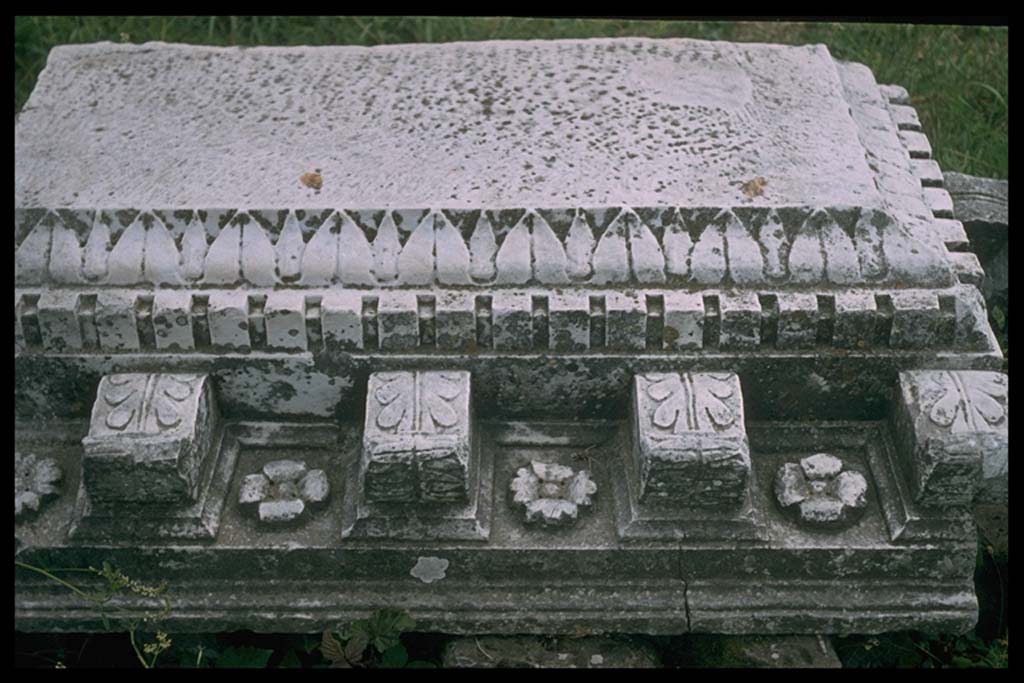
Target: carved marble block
{"points": [[953, 428], [149, 438], [689, 439], [416, 440], [156, 463], [606, 235]]}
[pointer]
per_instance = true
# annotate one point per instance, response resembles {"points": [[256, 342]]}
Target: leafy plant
{"points": [[118, 583], [372, 642], [913, 649], [243, 658]]}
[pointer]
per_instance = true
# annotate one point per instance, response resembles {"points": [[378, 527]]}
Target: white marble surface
{"points": [[607, 122]]}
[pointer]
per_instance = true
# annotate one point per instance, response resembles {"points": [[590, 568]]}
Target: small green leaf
{"points": [[310, 643], [391, 621], [963, 663], [290, 661], [331, 648], [358, 626], [355, 647], [420, 664], [385, 641], [395, 657], [244, 658]]}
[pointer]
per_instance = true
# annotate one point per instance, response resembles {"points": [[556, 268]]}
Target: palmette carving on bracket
{"points": [[417, 438], [551, 494], [427, 408], [965, 401], [130, 401], [689, 405], [955, 427], [690, 439]]}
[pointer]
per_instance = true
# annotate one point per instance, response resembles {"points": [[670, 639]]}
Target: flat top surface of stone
{"points": [[603, 122]]}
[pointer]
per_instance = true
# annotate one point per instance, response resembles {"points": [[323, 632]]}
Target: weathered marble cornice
{"points": [[653, 336], [505, 321], [795, 246]]}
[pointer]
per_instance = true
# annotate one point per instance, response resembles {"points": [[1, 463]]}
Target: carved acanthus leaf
{"points": [[689, 403], [966, 400], [126, 395], [394, 395], [437, 393]]}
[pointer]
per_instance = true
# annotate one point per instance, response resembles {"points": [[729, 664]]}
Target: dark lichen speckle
{"points": [[617, 122]]}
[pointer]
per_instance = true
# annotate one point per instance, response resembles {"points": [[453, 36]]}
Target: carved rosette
{"points": [[818, 493], [34, 480], [283, 491], [551, 494]]}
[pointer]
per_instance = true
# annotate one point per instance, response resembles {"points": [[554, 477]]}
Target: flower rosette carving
{"points": [[283, 491], [551, 494], [819, 493], [34, 480]]}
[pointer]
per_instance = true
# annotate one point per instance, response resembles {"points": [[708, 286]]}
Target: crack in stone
{"points": [[686, 590]]}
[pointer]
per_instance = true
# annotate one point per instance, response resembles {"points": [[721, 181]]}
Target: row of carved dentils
{"points": [[937, 199], [114, 319], [557, 247]]}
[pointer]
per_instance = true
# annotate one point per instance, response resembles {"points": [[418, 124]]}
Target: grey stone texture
{"points": [[714, 87], [527, 652], [675, 266], [147, 439], [417, 438], [954, 428], [982, 205], [690, 442]]}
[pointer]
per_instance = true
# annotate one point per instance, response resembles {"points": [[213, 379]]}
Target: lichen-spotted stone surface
{"points": [[149, 437], [597, 122], [416, 440], [315, 230], [689, 439], [496, 164]]}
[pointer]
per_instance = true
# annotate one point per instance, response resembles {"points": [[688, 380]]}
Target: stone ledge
{"points": [[511, 322], [766, 246]]}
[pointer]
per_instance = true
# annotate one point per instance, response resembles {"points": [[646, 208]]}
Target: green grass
{"points": [[958, 77]]}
